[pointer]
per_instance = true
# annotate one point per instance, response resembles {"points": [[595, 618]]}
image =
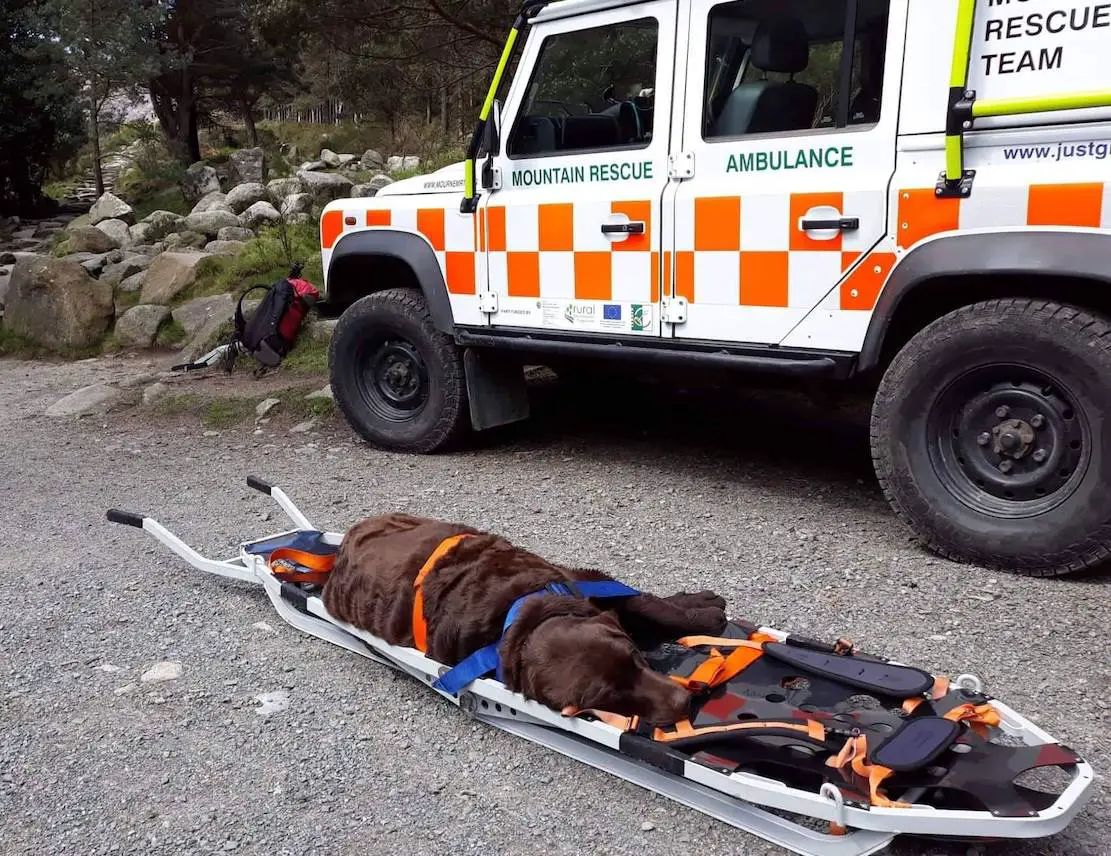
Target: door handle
{"points": [[636, 227], [845, 224]]}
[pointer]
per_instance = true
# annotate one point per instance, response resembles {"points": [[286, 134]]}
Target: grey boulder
{"points": [[298, 203], [224, 248], [200, 180], [215, 201], [259, 214], [325, 186], [247, 166], [242, 197], [56, 304], [117, 230], [90, 239], [96, 398], [111, 207], [234, 233], [138, 326], [170, 275], [134, 282], [372, 160], [280, 188], [210, 223], [197, 314], [160, 224], [399, 163]]}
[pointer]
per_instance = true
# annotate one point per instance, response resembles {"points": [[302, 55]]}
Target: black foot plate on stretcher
{"points": [[816, 747]]}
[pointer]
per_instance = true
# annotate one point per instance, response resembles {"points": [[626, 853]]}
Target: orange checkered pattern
{"points": [[558, 251], [750, 251], [922, 214]]}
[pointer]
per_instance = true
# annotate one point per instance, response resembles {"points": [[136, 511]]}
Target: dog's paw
{"points": [[707, 620], [698, 600]]}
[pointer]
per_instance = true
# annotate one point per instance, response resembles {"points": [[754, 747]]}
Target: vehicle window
{"points": [[790, 66], [591, 90]]}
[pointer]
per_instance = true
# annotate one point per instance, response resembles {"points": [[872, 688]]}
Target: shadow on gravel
{"points": [[739, 431]]}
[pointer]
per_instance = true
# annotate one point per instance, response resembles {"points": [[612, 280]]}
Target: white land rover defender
{"points": [[912, 191]]}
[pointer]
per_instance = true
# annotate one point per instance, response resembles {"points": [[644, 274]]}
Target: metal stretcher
{"points": [[818, 748]]}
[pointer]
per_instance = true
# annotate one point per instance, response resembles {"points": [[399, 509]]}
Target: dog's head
{"points": [[564, 652]]}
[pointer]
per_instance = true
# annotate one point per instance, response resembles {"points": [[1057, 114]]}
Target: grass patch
{"points": [[164, 199], [14, 343], [227, 412], [262, 261], [126, 299], [309, 355], [61, 190], [170, 334]]}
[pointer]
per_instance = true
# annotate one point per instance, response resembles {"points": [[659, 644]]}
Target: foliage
{"points": [[107, 48], [39, 122], [153, 181], [263, 261], [170, 333]]}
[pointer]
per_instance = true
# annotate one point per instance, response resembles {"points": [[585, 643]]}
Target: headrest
{"points": [[781, 45]]}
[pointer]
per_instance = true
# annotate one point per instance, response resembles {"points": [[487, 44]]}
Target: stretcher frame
{"points": [[740, 799]]}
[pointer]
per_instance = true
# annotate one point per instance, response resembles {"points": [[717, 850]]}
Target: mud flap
{"points": [[496, 388]]}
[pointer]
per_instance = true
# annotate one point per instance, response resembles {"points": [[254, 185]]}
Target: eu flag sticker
{"points": [[611, 312]]}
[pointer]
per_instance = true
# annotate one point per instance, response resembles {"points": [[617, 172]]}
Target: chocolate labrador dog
{"points": [[564, 652]]}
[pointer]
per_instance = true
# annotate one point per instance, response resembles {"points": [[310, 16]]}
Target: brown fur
{"points": [[560, 651]]}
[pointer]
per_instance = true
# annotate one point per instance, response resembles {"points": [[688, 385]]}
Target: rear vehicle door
{"points": [[793, 149], [573, 235]]}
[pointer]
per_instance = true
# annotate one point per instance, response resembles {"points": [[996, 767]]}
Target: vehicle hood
{"points": [[446, 180]]}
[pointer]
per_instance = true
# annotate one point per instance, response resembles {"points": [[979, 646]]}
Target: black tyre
{"points": [[398, 380], [991, 436]]}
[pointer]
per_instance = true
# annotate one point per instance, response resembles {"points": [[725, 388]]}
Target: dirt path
{"points": [[772, 507]]}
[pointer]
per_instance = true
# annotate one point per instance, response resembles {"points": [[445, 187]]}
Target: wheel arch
{"points": [[948, 272], [374, 260]]}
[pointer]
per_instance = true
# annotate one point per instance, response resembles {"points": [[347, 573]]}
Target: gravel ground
{"points": [[764, 502]]}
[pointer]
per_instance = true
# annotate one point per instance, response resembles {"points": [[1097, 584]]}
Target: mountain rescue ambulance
{"points": [[912, 193]]}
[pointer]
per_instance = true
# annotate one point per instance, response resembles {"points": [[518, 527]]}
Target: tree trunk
{"points": [[249, 122], [94, 139]]}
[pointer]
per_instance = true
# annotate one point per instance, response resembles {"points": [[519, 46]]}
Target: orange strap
{"points": [[979, 717], [721, 641], [854, 755], [319, 567], [717, 668], [683, 729], [624, 723], [420, 628]]}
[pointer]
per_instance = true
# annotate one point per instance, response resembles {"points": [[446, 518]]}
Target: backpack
{"points": [[271, 331]]}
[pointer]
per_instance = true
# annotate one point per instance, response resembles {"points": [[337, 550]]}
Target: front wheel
{"points": [[991, 436], [398, 380]]}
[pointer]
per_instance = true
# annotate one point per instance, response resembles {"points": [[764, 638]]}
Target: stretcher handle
{"points": [[125, 518], [258, 484]]}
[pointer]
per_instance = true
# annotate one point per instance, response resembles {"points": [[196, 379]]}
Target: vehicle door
{"points": [[793, 147], [572, 235]]}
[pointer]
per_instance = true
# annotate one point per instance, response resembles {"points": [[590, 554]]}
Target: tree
{"points": [[38, 117], [216, 53], [107, 47]]}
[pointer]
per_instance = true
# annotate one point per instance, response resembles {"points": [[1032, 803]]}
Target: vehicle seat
{"points": [[766, 106]]}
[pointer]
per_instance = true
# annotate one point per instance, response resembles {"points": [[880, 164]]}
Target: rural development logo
{"points": [[639, 317]]}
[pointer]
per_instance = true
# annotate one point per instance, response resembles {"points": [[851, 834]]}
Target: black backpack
{"points": [[271, 331]]}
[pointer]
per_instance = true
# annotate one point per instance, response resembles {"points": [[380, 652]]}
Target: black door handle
{"points": [[634, 228], [845, 224]]}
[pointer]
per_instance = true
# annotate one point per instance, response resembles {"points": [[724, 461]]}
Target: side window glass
{"points": [[591, 90], [794, 68]]}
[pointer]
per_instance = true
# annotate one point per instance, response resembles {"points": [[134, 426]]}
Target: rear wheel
{"points": [[398, 380], [991, 436]]}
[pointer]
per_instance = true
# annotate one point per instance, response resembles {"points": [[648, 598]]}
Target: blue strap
{"points": [[605, 588], [481, 662], [486, 660]]}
